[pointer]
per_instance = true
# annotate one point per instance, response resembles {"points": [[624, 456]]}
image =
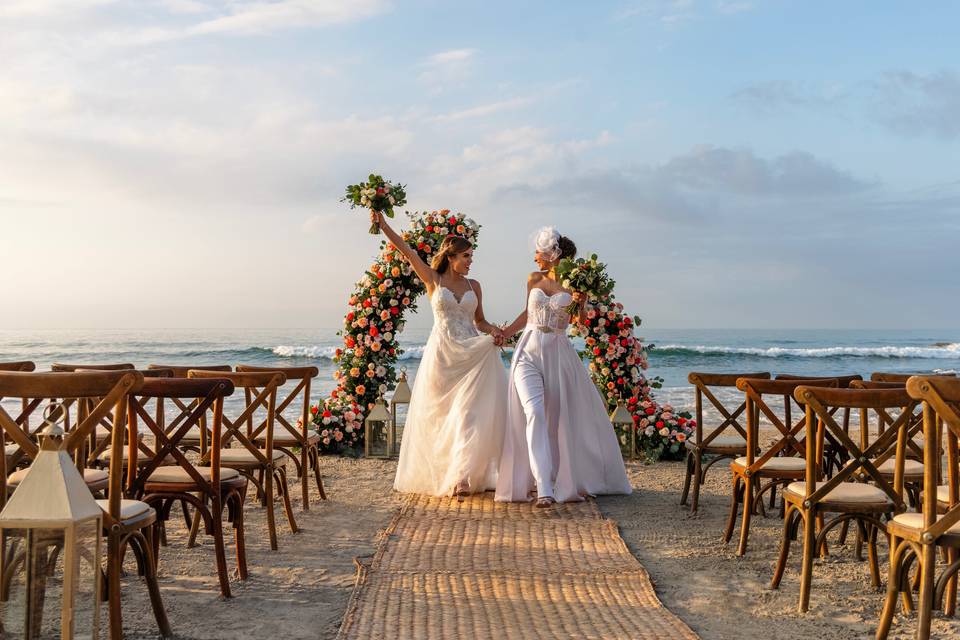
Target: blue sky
{"points": [[738, 164]]}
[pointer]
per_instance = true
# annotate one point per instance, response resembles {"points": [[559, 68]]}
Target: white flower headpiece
{"points": [[547, 242]]}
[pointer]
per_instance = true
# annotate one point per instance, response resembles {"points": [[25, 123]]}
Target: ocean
{"points": [[675, 354]]}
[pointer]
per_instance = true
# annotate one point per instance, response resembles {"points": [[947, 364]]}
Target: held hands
{"points": [[498, 338]]}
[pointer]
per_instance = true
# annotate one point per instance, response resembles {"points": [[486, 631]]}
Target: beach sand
{"points": [[302, 590]]}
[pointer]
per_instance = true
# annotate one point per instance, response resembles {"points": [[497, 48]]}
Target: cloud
{"points": [[447, 69], [673, 12], [919, 104], [484, 110], [778, 95]]}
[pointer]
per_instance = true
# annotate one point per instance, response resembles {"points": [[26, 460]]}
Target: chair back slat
{"points": [[941, 409], [730, 418], [304, 377]]}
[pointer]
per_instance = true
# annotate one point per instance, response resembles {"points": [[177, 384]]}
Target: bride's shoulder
{"points": [[535, 277]]}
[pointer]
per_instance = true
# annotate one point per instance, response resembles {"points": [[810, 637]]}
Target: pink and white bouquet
{"points": [[376, 194]]}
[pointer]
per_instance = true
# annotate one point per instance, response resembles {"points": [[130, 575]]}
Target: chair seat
{"points": [[103, 433], [245, 457], [912, 469], [723, 442], [287, 440], [858, 493], [789, 464], [92, 477], [128, 508], [179, 475], [943, 493], [142, 458], [913, 523]]}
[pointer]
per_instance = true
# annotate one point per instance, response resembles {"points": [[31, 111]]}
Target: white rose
{"points": [[392, 200], [326, 421], [348, 429], [388, 336], [664, 432]]}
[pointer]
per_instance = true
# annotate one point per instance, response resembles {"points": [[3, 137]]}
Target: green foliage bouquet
{"points": [[589, 277], [377, 195]]}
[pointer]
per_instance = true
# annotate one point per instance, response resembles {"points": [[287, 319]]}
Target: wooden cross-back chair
{"points": [[833, 453], [208, 488], [126, 523], [197, 438], [299, 433], [728, 439], [783, 462], [265, 467], [11, 450], [102, 431], [917, 536], [809, 502]]}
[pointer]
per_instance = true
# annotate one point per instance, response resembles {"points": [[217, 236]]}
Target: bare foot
{"points": [[462, 490]]}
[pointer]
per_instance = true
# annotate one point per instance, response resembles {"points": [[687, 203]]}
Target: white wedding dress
{"points": [[457, 415], [559, 439]]}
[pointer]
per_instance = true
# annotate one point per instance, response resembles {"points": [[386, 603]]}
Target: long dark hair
{"points": [[451, 246]]}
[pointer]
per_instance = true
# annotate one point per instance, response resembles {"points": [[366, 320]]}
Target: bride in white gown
{"points": [[455, 423], [559, 439]]}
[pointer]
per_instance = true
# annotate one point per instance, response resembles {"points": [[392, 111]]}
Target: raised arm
{"points": [[423, 270]]}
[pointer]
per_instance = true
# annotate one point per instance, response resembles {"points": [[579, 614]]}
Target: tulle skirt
{"points": [[575, 450], [457, 417]]}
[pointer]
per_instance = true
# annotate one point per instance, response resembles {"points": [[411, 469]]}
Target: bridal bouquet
{"points": [[586, 276], [377, 195]]}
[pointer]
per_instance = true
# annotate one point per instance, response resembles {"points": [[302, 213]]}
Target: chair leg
{"points": [[284, 488], [304, 469], [315, 454], [271, 518], [113, 586], [194, 526], [697, 481], [686, 479], [153, 587], [893, 588], [824, 551], [747, 512], [870, 534], [220, 552], [809, 551], [734, 502], [785, 541], [237, 499], [950, 595], [928, 566]]}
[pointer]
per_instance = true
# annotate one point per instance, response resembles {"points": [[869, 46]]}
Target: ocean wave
{"points": [[949, 350], [328, 353]]}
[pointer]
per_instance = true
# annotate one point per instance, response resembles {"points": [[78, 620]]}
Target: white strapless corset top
{"points": [[548, 312]]}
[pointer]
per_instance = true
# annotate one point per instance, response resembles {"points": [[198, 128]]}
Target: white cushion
{"points": [[128, 508], [179, 475], [943, 493], [239, 455], [911, 468], [142, 458], [728, 441], [846, 492], [11, 449], [778, 463], [915, 521], [91, 476]]}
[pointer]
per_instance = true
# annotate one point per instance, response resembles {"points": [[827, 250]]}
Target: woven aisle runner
{"points": [[480, 569]]}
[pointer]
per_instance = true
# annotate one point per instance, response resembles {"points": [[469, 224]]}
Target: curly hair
{"points": [[451, 246], [567, 248]]}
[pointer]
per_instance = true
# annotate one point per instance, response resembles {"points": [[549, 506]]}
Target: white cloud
{"points": [[447, 69], [484, 110]]}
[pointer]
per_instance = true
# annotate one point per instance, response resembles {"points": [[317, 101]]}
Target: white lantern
{"points": [[376, 432], [401, 396], [623, 419], [50, 531]]}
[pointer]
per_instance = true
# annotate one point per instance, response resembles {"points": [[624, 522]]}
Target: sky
{"points": [[764, 164]]}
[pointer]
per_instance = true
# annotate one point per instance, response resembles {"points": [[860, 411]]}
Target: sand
{"points": [[302, 590]]}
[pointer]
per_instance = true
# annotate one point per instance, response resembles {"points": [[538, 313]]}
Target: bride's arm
{"points": [[423, 270], [521, 321], [479, 319], [581, 300]]}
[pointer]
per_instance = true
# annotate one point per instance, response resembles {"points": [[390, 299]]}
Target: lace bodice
{"points": [[548, 311], [454, 318]]}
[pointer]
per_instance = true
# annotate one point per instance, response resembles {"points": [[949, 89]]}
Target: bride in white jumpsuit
{"points": [[559, 441]]}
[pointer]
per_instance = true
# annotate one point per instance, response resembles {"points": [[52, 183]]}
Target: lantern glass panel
{"points": [[376, 438], [54, 582], [400, 420]]}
